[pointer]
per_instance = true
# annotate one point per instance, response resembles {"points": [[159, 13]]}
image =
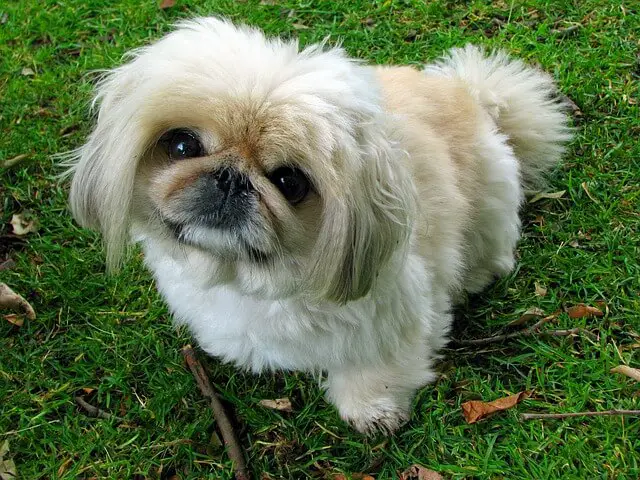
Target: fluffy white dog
{"points": [[301, 210]]}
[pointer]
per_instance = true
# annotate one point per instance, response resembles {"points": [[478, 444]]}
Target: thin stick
{"points": [[564, 32], [563, 333], [13, 432], [537, 416], [532, 330], [228, 435], [95, 411]]}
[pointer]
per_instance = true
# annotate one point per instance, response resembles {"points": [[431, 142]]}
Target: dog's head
{"points": [[262, 156]]}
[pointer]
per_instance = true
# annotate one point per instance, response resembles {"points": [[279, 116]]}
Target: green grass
{"points": [[113, 334]]}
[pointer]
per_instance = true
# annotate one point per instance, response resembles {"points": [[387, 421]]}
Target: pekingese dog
{"points": [[303, 211]]}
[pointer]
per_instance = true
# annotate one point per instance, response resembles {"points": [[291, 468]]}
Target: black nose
{"points": [[222, 199], [232, 182]]}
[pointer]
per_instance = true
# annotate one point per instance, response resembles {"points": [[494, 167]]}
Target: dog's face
{"points": [[236, 182], [270, 161]]}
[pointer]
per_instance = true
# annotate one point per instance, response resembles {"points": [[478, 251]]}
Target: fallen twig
{"points": [[539, 416], [532, 330], [565, 32], [234, 450], [95, 411], [523, 333], [563, 333]]}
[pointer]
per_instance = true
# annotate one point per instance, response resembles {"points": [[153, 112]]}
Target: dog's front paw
{"points": [[377, 399], [371, 417]]}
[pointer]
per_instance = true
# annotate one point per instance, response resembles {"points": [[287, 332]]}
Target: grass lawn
{"points": [[113, 334]]}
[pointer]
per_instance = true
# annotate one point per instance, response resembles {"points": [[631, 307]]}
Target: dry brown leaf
{"points": [[12, 301], [475, 410], [584, 236], [582, 311], [88, 390], [418, 472], [541, 290], [63, 467], [24, 223], [164, 4], [533, 313], [8, 470], [122, 411], [14, 319], [7, 467], [542, 195], [602, 305], [628, 371], [281, 404], [539, 220]]}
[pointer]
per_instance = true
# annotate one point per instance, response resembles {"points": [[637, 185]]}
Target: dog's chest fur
{"points": [[292, 334]]}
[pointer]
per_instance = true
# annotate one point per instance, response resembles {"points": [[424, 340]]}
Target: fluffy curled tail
{"points": [[522, 100]]}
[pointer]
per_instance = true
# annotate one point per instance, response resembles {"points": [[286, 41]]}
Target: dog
{"points": [[302, 210]]}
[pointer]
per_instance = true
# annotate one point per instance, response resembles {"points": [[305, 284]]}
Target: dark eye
{"points": [[292, 183], [181, 144]]}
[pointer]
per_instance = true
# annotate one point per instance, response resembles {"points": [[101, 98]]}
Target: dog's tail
{"points": [[523, 101]]}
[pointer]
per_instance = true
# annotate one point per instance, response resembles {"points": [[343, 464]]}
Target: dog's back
{"points": [[479, 130]]}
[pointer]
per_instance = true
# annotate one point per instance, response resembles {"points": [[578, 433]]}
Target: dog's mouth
{"points": [[235, 247]]}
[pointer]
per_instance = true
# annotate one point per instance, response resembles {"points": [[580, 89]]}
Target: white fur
{"points": [[368, 301], [521, 100]]}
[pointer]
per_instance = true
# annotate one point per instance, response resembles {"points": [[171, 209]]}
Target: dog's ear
{"points": [[104, 168], [372, 222]]}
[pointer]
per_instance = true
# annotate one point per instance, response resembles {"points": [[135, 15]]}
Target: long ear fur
{"points": [[360, 235], [103, 169]]}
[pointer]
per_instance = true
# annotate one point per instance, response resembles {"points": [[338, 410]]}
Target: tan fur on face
{"points": [[253, 141], [180, 174], [350, 207]]}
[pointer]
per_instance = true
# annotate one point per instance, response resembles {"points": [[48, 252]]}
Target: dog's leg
{"points": [[378, 397]]}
